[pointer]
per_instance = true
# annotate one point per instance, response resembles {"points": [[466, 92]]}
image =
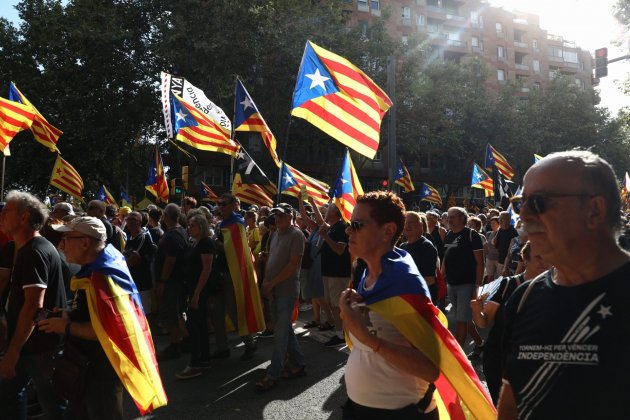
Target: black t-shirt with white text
{"points": [[567, 348], [459, 257], [37, 264]]}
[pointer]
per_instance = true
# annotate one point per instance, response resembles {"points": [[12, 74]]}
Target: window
{"points": [[570, 56], [474, 41], [362, 6], [406, 12], [554, 51], [375, 5], [500, 51], [474, 17], [536, 66], [404, 39], [500, 75], [537, 85], [535, 44], [421, 20], [499, 27], [363, 25]]}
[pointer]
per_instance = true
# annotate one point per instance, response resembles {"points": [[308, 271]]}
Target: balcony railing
{"points": [[455, 17], [521, 66], [456, 43], [436, 9], [552, 37], [571, 65], [554, 58], [521, 44]]}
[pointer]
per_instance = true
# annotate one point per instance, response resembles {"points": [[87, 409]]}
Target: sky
{"points": [[589, 23]]}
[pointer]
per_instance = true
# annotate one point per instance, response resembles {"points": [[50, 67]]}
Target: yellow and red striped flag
{"points": [[248, 118], [66, 178], [105, 196], [251, 193], [199, 130], [156, 181], [430, 194], [347, 188], [480, 179], [292, 180], [44, 132], [497, 159], [14, 117], [403, 177], [339, 99]]}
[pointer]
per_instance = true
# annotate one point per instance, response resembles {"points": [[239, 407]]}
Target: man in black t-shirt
{"points": [[463, 266], [36, 287], [568, 332], [502, 240], [139, 253], [421, 250]]}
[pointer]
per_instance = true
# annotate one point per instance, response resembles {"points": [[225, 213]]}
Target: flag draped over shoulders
{"points": [[241, 266], [122, 330], [401, 297]]}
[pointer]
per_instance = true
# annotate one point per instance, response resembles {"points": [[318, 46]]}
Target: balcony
{"points": [[520, 21], [455, 17], [456, 43], [521, 66], [571, 65], [554, 58], [477, 49], [437, 10], [521, 44]]}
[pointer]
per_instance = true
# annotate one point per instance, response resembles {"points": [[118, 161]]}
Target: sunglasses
{"points": [[538, 203], [356, 226]]}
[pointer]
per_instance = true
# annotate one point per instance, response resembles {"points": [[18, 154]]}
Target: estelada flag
{"points": [[105, 196], [14, 117], [338, 98], [66, 178], [403, 177], [118, 320], [346, 188], [248, 118], [251, 193], [402, 298], [497, 159], [291, 180], [156, 181], [207, 193], [241, 264], [43, 131]]}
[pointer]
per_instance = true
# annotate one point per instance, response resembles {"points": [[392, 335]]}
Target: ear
{"points": [[596, 212], [390, 229]]}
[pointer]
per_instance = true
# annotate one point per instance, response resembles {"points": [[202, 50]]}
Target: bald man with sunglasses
{"points": [[568, 331]]}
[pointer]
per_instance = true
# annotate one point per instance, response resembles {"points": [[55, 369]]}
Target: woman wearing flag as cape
{"points": [[401, 350]]}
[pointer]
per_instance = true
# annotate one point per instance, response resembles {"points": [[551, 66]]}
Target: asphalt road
{"points": [[227, 391]]}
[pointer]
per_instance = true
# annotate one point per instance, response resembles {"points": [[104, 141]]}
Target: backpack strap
{"points": [[527, 292]]}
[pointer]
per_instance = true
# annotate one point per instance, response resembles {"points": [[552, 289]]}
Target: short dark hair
{"points": [[386, 207], [190, 201], [155, 214], [227, 197]]}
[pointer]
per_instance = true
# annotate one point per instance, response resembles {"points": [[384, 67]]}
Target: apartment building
{"points": [[512, 44]]}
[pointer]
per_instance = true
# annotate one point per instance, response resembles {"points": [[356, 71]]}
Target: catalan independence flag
{"points": [[401, 297], [156, 181], [347, 188], [403, 178], [66, 178], [251, 193], [105, 196], [339, 99], [291, 180], [241, 265], [480, 179], [121, 328], [44, 132], [207, 193], [497, 159], [199, 130], [14, 117], [430, 194], [248, 118]]}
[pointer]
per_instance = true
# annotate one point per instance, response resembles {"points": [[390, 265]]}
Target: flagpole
{"points": [[233, 133], [4, 159]]}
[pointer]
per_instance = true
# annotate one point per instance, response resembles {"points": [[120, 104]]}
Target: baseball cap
{"points": [[67, 207], [89, 226], [283, 208]]}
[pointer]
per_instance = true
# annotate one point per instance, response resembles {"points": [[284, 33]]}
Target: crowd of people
{"points": [[549, 286]]}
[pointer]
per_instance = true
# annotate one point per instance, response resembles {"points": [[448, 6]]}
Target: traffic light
{"points": [[172, 189], [185, 177], [179, 186], [601, 62]]}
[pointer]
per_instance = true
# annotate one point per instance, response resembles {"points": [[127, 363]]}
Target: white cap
{"points": [[90, 226]]}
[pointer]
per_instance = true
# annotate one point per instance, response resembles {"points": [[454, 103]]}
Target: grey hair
{"points": [[462, 212], [202, 222], [172, 211], [598, 178], [26, 202]]}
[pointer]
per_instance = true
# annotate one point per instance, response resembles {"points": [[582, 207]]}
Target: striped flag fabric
{"points": [[14, 117], [121, 327], [44, 132], [251, 193], [403, 178], [105, 196], [250, 317], [481, 179], [200, 131], [65, 178], [339, 99], [403, 300], [248, 118], [156, 181], [207, 193], [346, 188], [430, 194], [291, 180], [497, 159]]}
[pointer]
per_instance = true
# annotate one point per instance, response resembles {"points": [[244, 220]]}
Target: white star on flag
{"points": [[343, 180], [247, 103], [317, 79], [604, 311], [288, 179], [240, 154], [401, 172], [181, 116]]}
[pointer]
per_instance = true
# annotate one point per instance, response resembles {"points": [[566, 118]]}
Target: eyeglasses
{"points": [[538, 203]]}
